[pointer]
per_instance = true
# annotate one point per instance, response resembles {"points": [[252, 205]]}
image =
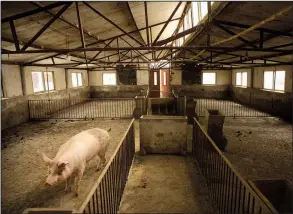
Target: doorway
{"points": [[159, 83]]}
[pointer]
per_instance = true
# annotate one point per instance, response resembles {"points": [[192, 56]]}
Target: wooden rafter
{"points": [[147, 22], [81, 31], [13, 31], [32, 12]]}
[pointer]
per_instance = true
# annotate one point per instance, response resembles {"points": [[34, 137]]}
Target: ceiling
{"points": [[123, 24]]}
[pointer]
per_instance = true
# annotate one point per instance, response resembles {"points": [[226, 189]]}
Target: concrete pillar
{"points": [[190, 109], [181, 102], [140, 106], [23, 82], [213, 124]]}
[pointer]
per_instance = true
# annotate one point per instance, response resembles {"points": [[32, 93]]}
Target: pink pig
{"points": [[73, 156]]}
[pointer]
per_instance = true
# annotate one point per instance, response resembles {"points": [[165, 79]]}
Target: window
{"points": [[49, 81], [42, 81], [238, 78], [165, 80], [268, 80], [109, 78], [280, 81], [195, 16], [209, 78], [203, 9], [155, 78], [181, 39], [241, 79], [274, 80], [187, 22], [76, 79]]}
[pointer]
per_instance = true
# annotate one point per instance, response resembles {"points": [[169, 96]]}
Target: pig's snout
{"points": [[48, 184]]}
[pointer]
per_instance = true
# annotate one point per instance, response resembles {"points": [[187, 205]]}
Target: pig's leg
{"points": [[67, 184], [78, 178], [98, 161], [102, 156]]}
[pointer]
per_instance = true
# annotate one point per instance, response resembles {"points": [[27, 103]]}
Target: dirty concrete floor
{"points": [[165, 184], [259, 148], [23, 169]]}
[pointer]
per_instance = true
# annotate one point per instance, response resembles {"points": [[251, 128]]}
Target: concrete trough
{"points": [[276, 194], [213, 123], [163, 134]]}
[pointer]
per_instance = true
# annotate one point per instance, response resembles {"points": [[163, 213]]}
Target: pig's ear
{"points": [[47, 160], [62, 164]]}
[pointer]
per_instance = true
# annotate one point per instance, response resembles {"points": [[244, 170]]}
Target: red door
{"points": [[154, 83], [165, 83]]}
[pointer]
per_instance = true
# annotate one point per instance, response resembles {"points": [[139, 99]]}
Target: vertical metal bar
{"points": [[253, 205], [243, 199], [248, 205], [232, 193]]}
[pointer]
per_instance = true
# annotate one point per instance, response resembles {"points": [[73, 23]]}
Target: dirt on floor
{"points": [[24, 171], [165, 184], [259, 148]]}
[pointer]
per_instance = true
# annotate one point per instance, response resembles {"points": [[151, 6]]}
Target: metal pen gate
{"points": [[229, 190], [87, 108]]}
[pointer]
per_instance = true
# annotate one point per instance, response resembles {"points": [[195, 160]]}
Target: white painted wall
{"points": [[83, 73], [142, 77], [11, 80], [176, 77], [59, 77]]}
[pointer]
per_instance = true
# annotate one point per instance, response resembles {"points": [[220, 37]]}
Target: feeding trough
{"points": [[276, 193], [213, 124]]}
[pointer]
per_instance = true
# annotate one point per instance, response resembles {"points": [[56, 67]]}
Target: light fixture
{"points": [[68, 57]]}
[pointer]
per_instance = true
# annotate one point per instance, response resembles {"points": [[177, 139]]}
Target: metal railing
{"points": [[87, 108], [106, 194], [228, 108], [228, 189]]}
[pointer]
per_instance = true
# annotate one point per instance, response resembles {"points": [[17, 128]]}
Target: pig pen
{"points": [[228, 108], [23, 169], [82, 108], [259, 148], [160, 181]]}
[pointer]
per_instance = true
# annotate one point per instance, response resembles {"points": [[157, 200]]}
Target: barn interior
{"points": [[198, 96]]}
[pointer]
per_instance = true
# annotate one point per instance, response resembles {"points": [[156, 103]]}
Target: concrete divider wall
{"points": [[163, 134], [202, 91], [15, 110], [275, 103], [118, 91]]}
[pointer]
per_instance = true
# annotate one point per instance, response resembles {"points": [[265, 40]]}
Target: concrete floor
{"points": [[165, 184]]}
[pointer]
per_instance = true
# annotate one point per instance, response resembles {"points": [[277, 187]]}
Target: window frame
{"points": [[193, 15], [109, 73], [241, 78], [209, 73], [76, 73], [274, 81], [43, 79]]}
